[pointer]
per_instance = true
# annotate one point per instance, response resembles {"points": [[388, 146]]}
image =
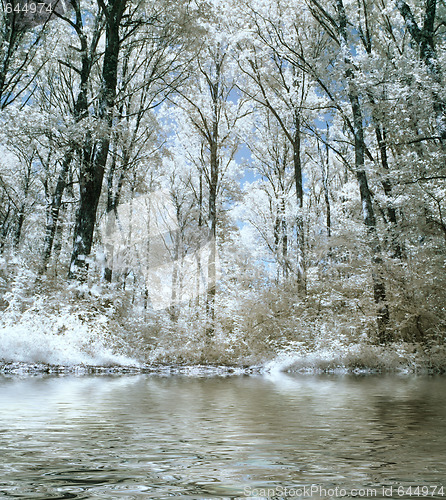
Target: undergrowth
{"points": [[327, 329]]}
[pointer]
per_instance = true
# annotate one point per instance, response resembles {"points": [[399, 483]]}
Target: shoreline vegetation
{"points": [[80, 330], [318, 364]]}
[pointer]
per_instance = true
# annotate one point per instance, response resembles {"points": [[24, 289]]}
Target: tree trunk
{"points": [[297, 163], [53, 213], [397, 249], [325, 183], [90, 186], [9, 39], [19, 226], [21, 212], [4, 228], [212, 272], [176, 285], [200, 232], [58, 237], [424, 38], [95, 153], [379, 288]]}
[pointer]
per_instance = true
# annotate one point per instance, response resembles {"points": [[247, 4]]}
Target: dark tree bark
{"points": [[213, 186], [424, 37], [395, 245], [10, 38], [325, 168], [4, 226], [380, 134], [200, 226], [53, 213], [23, 205], [95, 151], [281, 237], [113, 199], [297, 162], [379, 288], [15, 60], [19, 226]]}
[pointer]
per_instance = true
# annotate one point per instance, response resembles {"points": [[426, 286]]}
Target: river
{"points": [[277, 436]]}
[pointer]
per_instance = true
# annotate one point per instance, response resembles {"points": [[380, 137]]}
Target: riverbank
{"points": [[98, 330]]}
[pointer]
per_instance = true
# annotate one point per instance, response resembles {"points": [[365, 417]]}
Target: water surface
{"points": [[149, 437]]}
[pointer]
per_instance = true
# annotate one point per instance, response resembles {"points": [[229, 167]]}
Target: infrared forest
{"points": [[223, 182]]}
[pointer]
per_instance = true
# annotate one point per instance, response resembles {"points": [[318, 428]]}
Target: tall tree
{"points": [[424, 38], [340, 30], [214, 116], [282, 88], [94, 152]]}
